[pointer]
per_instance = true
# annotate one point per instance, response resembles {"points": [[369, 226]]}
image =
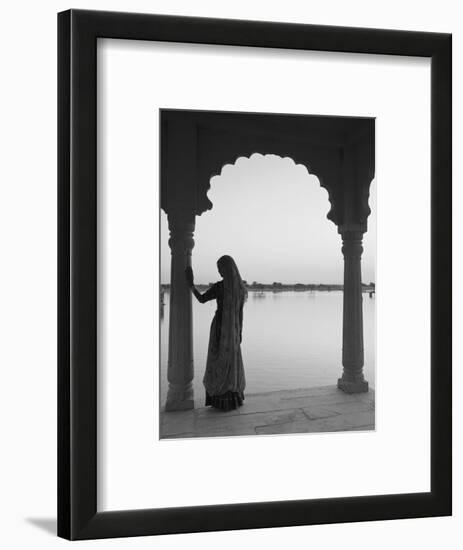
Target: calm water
{"points": [[290, 340]]}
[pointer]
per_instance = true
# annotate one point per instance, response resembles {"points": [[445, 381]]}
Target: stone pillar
{"points": [[352, 380], [180, 359]]}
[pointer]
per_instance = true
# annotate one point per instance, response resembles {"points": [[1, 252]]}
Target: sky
{"points": [[270, 215]]}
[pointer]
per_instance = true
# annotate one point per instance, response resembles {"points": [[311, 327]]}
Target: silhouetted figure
{"points": [[161, 304], [224, 378]]}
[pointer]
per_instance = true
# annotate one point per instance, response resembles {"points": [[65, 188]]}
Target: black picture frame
{"points": [[78, 517]]}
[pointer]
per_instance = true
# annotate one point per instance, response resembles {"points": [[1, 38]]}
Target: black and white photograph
{"points": [[229, 275], [267, 273]]}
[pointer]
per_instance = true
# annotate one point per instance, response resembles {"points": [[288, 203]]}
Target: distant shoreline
{"points": [[280, 287]]}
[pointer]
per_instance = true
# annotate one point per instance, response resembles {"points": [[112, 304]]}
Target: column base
{"points": [[179, 398], [353, 386]]}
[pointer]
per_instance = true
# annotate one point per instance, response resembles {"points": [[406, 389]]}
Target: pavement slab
{"points": [[302, 410]]}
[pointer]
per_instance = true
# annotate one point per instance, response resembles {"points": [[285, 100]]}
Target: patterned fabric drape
{"points": [[224, 367]]}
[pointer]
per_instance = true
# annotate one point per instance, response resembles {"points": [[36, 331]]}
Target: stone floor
{"points": [[322, 409]]}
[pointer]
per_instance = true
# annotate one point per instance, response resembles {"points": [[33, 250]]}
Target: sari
{"points": [[224, 378]]}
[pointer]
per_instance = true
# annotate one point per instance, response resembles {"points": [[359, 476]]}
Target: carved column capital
{"points": [[352, 244], [181, 229], [181, 239]]}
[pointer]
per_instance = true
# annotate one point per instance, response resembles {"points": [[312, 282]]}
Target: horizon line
{"points": [[277, 282]]}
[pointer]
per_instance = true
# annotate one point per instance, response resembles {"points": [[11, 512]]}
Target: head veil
{"points": [[227, 372], [234, 294]]}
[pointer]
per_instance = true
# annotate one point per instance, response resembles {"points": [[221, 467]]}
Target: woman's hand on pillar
{"points": [[189, 276]]}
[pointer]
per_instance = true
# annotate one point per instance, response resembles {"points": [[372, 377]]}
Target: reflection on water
{"points": [[290, 340]]}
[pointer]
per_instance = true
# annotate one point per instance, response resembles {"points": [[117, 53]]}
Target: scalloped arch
{"points": [[217, 172]]}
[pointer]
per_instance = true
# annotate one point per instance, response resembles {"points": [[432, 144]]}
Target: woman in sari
{"points": [[224, 378]]}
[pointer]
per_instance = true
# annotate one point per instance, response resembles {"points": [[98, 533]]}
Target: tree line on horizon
{"points": [[286, 286]]}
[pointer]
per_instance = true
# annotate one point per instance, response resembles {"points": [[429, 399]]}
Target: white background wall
{"points": [[28, 274]]}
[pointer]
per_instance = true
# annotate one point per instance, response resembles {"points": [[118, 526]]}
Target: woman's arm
{"points": [[210, 294], [200, 297]]}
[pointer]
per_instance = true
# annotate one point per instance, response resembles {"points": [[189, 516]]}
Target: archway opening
{"points": [[270, 215]]}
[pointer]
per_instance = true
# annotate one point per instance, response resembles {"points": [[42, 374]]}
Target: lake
{"points": [[291, 340]]}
